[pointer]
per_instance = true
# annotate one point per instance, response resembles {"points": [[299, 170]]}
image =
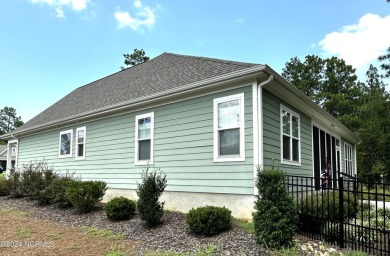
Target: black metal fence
{"points": [[353, 214]]}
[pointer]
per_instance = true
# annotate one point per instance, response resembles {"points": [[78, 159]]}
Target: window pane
{"points": [[295, 127], [80, 150], [229, 142], [286, 122], [229, 114], [144, 150], [65, 144], [80, 136], [144, 128], [286, 147], [295, 148]]}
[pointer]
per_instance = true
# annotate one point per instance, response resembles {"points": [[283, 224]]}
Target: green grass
{"points": [[116, 252], [13, 211], [96, 232], [381, 194], [244, 225], [25, 232], [2, 176], [355, 253], [208, 250]]}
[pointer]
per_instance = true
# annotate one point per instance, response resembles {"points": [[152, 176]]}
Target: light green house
{"points": [[207, 123]]}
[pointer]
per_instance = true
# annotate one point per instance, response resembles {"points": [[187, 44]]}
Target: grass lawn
{"points": [[24, 236]]}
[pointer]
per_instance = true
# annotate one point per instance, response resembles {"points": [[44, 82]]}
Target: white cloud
{"points": [[143, 17], [58, 5], [359, 44]]}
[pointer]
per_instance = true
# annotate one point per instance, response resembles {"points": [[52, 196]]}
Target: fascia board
{"points": [[317, 113]]}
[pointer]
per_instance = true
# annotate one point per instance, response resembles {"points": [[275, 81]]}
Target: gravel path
{"points": [[172, 235]]}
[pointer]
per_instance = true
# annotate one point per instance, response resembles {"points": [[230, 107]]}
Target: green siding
{"points": [[183, 148], [271, 137]]}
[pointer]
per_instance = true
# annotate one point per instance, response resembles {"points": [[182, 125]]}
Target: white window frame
{"points": [[71, 144], [77, 157], [230, 158], [348, 155], [292, 113], [136, 154]]}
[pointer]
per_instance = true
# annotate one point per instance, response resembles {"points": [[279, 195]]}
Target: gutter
{"points": [[258, 127], [248, 73]]}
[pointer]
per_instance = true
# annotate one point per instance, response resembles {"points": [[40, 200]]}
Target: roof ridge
{"points": [[209, 59]]}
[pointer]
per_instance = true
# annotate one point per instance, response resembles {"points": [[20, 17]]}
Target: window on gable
{"points": [[144, 139], [290, 133], [348, 159], [229, 128], [65, 148], [80, 142]]}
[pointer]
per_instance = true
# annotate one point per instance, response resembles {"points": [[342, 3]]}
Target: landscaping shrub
{"points": [[55, 192], [16, 184], [84, 195], [275, 218], [209, 220], [5, 187], [120, 208], [149, 191], [326, 205]]}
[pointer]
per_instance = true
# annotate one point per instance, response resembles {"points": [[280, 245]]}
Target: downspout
{"points": [[259, 124]]}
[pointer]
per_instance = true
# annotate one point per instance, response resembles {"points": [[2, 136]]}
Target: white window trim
{"points": [[349, 160], [71, 144], [283, 161], [241, 157], [136, 156], [77, 143]]}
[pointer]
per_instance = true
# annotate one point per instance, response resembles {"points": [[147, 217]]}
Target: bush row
{"points": [[42, 183]]}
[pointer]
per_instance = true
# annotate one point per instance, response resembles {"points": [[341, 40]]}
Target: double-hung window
{"points": [[65, 144], [144, 139], [229, 136], [81, 137], [290, 136], [348, 159]]}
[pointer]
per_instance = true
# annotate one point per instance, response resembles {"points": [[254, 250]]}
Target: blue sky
{"points": [[50, 47]]}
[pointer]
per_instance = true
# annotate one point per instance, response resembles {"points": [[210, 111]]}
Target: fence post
{"points": [[341, 212]]}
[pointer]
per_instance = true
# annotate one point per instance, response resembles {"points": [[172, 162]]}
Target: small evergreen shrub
{"points": [[209, 220], [5, 187], [149, 191], [84, 195], [120, 208], [275, 218]]}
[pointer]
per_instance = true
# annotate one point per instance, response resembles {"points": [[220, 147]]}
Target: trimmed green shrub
{"points": [[275, 218], [120, 208], [209, 220], [5, 187], [149, 191], [326, 205], [84, 195]]}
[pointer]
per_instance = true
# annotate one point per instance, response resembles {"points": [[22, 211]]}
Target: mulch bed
{"points": [[172, 235]]}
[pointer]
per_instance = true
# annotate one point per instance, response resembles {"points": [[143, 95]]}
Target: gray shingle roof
{"points": [[165, 72]]}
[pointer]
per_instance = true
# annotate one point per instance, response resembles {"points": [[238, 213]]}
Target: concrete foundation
{"points": [[240, 205]]}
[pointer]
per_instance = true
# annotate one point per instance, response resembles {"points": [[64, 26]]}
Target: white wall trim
{"points": [[84, 128], [136, 153], [71, 144], [241, 156], [256, 133]]}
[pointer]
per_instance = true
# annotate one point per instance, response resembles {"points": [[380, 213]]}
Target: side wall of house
{"points": [[272, 137], [183, 149]]}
